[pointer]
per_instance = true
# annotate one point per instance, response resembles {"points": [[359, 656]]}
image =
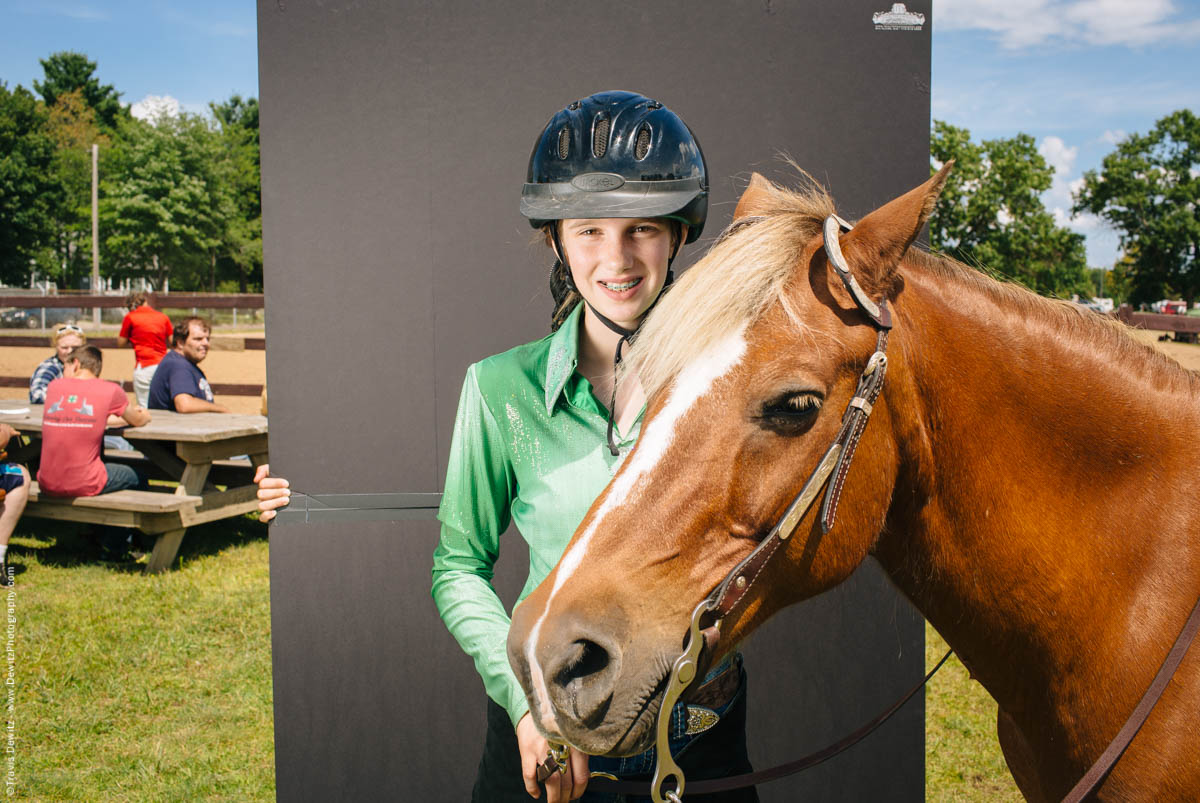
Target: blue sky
{"points": [[195, 52], [1075, 74]]}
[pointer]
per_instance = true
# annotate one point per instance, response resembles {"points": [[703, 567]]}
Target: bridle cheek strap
{"points": [[834, 463], [854, 421], [704, 629]]}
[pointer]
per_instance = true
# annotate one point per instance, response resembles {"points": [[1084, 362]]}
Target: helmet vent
{"points": [[600, 136], [564, 142], [642, 146]]}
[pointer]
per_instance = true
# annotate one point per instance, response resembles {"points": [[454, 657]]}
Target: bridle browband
{"points": [[704, 628]]}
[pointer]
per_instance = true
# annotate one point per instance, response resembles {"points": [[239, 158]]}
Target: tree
{"points": [[1149, 190], [26, 155], [71, 125], [990, 213], [167, 201], [241, 249], [68, 71]]}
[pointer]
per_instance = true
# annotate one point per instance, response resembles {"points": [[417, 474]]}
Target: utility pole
{"points": [[95, 232]]}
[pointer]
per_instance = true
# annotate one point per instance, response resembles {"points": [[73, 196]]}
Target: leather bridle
{"points": [[835, 463]]}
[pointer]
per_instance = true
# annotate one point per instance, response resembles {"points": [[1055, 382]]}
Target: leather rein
{"points": [[733, 590]]}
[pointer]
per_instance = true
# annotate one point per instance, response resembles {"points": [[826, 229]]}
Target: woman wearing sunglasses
{"points": [[65, 338]]}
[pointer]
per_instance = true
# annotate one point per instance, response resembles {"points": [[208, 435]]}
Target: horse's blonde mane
{"points": [[746, 271]]}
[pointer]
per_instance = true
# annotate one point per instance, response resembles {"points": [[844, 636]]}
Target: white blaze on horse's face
{"points": [[692, 384]]}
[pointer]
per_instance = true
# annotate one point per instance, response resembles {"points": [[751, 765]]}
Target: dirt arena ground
{"points": [[247, 367], [1186, 354]]}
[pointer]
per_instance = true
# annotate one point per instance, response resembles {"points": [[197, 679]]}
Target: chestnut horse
{"points": [[1028, 480]]}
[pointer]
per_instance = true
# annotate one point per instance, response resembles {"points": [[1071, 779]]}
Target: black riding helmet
{"points": [[616, 154]]}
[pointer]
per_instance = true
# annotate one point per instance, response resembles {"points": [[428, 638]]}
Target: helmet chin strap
{"points": [[625, 334]]}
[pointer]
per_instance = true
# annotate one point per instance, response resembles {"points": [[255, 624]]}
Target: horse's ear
{"points": [[877, 243], [756, 199]]}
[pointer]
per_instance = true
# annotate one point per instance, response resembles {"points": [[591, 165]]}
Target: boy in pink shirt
{"points": [[78, 406]]}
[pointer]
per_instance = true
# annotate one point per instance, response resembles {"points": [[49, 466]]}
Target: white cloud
{"points": [[1084, 223], [1058, 155], [1112, 137], [1017, 23], [1061, 157], [152, 107], [1025, 23], [1060, 198]]}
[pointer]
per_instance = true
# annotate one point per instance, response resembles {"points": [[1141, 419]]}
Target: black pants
{"points": [[716, 753]]}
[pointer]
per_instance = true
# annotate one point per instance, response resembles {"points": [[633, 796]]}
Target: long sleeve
{"points": [[47, 371], [475, 510]]}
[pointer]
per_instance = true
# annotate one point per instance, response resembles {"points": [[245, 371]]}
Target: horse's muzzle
{"points": [[577, 662]]}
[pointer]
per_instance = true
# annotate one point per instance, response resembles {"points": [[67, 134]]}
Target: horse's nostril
{"points": [[582, 684], [584, 659]]}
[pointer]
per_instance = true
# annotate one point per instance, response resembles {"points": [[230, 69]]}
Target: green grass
{"points": [[962, 755], [136, 688]]}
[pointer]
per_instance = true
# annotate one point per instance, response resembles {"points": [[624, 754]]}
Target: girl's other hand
{"points": [[273, 492]]}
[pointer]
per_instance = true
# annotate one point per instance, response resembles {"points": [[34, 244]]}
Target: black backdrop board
{"points": [[394, 142]]}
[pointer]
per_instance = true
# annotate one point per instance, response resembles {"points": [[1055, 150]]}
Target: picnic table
{"points": [[194, 450]]}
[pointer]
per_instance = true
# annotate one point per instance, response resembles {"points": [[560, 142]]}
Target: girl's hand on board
{"points": [[273, 492], [560, 787]]}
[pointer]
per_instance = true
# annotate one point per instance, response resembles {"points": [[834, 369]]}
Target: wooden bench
{"points": [[159, 513], [196, 451]]}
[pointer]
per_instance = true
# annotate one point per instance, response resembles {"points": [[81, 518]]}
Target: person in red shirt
{"points": [[78, 410], [150, 333]]}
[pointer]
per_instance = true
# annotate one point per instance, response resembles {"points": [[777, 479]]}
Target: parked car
{"points": [[1167, 307], [31, 317]]}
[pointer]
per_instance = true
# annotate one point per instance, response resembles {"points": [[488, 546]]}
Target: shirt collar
{"points": [[562, 357]]}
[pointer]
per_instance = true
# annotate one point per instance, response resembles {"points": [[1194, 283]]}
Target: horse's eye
{"points": [[791, 412]]}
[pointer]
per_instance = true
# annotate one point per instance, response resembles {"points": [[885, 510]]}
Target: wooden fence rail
{"points": [[39, 341], [1185, 327], [157, 300]]}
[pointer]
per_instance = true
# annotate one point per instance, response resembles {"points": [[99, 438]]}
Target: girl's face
{"points": [[619, 264]]}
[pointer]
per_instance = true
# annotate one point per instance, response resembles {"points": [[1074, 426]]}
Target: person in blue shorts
{"points": [[179, 384], [14, 483]]}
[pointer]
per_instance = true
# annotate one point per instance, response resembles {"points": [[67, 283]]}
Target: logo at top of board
{"points": [[899, 18]]}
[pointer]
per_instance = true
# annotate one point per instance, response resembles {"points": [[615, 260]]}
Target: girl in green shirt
{"points": [[617, 183]]}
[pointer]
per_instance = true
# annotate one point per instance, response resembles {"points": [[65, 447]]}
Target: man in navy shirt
{"points": [[179, 384]]}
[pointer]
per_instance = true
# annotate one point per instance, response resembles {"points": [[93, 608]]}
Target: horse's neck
{"points": [[1048, 494]]}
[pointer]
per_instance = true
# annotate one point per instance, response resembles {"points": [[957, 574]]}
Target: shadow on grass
{"points": [[217, 536], [66, 544]]}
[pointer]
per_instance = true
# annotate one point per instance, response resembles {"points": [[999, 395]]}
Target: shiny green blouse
{"points": [[530, 449]]}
